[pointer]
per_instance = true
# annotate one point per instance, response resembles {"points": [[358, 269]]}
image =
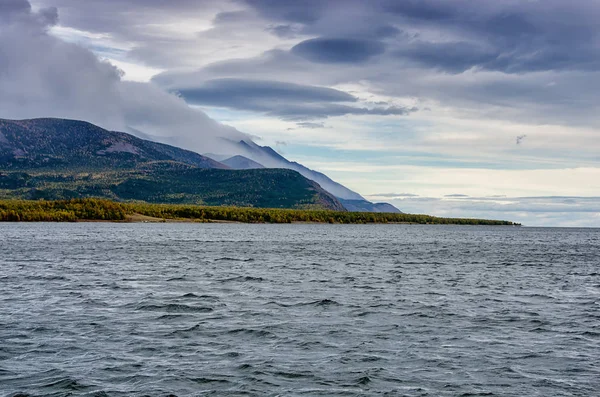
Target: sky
{"points": [[469, 108]]}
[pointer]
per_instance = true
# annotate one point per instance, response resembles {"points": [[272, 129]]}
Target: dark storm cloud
{"points": [[511, 36], [284, 100], [306, 11], [12, 7], [11, 10], [451, 57], [338, 50], [542, 49], [420, 9]]}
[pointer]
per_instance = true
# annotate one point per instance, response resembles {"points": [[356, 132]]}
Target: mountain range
{"points": [[57, 158], [250, 156]]}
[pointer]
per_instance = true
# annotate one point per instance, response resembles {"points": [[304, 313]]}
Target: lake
{"points": [[107, 309]]}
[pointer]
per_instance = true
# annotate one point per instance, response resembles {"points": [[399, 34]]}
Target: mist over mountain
{"points": [[65, 80], [249, 154], [60, 159], [269, 158]]}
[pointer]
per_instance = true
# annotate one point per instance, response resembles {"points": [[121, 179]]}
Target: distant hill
{"points": [[268, 157], [55, 159], [241, 163], [265, 156], [367, 206]]}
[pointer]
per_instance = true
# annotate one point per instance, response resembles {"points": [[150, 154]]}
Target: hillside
{"points": [[174, 185], [62, 159], [70, 144]]}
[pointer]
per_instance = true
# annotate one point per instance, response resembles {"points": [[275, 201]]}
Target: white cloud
{"points": [[44, 76]]}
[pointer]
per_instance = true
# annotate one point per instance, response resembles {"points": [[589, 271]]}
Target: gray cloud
{"points": [[522, 65], [421, 9], [338, 50], [42, 76], [309, 112], [9, 8], [333, 18], [279, 99], [119, 17], [12, 10], [310, 125], [283, 31], [236, 92], [454, 57], [306, 12], [513, 37]]}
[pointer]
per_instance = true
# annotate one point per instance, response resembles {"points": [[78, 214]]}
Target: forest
{"points": [[92, 209]]}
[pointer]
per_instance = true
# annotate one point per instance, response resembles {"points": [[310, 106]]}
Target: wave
{"points": [[243, 279], [230, 259], [322, 302], [251, 332], [175, 308]]}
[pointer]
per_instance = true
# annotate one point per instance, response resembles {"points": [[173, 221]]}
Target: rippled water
{"points": [[227, 309]]}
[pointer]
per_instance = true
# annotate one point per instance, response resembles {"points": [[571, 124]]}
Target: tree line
{"points": [[91, 209]]}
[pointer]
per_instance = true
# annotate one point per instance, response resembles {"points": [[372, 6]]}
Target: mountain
{"points": [[58, 143], [241, 163], [55, 158], [367, 206], [248, 152], [271, 159]]}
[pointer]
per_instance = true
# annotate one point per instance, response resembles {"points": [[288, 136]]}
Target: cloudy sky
{"points": [[449, 107]]}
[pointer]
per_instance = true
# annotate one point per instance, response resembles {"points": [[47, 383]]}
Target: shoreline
{"points": [[101, 210], [147, 219]]}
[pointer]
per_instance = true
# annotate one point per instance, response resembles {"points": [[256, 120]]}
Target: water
{"points": [[231, 310]]}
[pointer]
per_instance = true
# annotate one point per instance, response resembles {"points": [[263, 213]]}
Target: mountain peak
{"points": [[238, 162]]}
